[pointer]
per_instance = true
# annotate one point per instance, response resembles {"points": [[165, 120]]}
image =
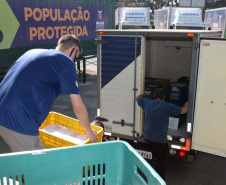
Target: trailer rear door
{"points": [[209, 131], [120, 81]]}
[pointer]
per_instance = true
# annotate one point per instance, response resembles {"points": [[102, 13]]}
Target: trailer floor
{"points": [[179, 132]]}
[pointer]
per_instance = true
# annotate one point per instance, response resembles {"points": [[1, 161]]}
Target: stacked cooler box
{"points": [[178, 95]]}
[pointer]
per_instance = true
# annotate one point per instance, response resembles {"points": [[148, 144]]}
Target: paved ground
{"points": [[206, 170]]}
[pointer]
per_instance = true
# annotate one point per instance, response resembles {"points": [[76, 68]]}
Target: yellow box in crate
{"points": [[50, 141]]}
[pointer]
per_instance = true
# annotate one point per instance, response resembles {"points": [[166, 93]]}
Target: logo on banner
{"points": [[100, 15], [100, 21], [8, 25]]}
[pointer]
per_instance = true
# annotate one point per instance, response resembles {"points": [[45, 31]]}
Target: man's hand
{"points": [[143, 95], [184, 108], [92, 135]]}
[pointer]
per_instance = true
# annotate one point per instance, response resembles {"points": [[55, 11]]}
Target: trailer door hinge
{"points": [[123, 123], [196, 45], [101, 41]]}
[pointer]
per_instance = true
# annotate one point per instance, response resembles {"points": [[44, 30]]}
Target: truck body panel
{"points": [[132, 17], [165, 55], [179, 18], [209, 132], [215, 20], [119, 58]]}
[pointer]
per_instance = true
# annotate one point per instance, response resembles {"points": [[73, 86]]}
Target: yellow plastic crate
{"points": [[50, 141]]}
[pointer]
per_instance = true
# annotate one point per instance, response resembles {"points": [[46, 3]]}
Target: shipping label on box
{"points": [[175, 89], [175, 96], [173, 123]]}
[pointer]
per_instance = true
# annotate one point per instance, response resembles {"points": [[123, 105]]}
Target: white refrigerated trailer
{"points": [[126, 57], [179, 18], [132, 18]]}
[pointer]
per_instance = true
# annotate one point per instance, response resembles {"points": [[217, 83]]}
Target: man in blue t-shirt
{"points": [[30, 87], [157, 113]]}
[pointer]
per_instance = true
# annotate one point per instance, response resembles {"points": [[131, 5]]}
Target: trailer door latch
{"points": [[123, 123]]}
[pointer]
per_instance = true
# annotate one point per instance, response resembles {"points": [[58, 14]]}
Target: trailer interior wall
{"points": [[169, 59]]}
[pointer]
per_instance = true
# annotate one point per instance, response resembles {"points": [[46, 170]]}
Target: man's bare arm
{"points": [[82, 115]]}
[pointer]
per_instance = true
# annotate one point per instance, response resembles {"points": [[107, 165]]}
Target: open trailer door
{"points": [[120, 81], [209, 130]]}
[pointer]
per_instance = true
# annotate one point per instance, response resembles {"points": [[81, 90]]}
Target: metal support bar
{"points": [[78, 66], [84, 67], [84, 70], [135, 87]]}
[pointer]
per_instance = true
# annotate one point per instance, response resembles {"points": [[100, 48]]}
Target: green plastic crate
{"points": [[109, 163]]}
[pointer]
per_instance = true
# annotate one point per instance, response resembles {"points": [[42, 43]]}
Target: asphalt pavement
{"points": [[206, 170]]}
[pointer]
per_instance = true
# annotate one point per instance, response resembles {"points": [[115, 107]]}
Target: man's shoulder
{"points": [[49, 52], [37, 50], [39, 53], [56, 55], [172, 106], [61, 56], [146, 100]]}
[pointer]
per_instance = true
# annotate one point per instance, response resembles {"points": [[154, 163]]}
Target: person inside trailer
{"points": [[157, 113]]}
